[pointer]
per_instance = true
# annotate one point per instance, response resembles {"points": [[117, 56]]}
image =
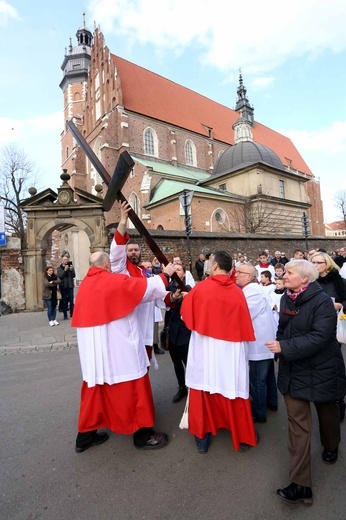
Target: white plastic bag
{"points": [[184, 423], [342, 271], [341, 327]]}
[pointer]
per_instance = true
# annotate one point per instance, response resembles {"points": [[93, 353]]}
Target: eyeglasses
{"points": [[318, 263], [243, 272]]}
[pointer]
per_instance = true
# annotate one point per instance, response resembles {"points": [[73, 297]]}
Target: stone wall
{"points": [[174, 243], [12, 276]]}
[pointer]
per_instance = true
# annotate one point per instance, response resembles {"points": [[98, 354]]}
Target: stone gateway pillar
{"points": [[48, 211]]}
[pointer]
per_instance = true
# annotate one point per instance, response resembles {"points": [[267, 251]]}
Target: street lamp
{"points": [[185, 200]]}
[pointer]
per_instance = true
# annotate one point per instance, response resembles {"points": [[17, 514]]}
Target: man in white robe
{"points": [[116, 392], [217, 371], [261, 360], [125, 257]]}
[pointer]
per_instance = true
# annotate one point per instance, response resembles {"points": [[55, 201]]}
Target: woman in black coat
{"points": [[311, 369], [330, 280], [50, 287], [335, 286], [178, 334]]}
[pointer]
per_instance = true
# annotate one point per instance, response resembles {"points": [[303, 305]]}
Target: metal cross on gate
{"points": [[115, 183]]}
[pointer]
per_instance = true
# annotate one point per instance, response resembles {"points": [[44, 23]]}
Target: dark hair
{"points": [[132, 242], [263, 253], [224, 260], [48, 267], [267, 274], [279, 266]]}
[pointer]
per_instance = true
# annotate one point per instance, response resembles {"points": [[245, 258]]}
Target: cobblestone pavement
{"points": [[28, 332]]}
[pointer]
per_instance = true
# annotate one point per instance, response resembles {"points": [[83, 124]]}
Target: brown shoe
{"points": [[155, 442]]}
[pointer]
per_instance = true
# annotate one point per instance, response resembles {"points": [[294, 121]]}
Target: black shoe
{"points": [[341, 404], [294, 493], [182, 392], [158, 350], [155, 442], [99, 438], [272, 408], [245, 447], [330, 457], [203, 444]]}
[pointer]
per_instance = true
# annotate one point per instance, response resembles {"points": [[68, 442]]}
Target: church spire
{"points": [[77, 61], [243, 106]]}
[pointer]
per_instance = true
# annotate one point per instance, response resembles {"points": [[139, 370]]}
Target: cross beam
{"points": [[115, 183]]}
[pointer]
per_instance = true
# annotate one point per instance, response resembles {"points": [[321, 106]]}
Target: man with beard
{"points": [[125, 257]]}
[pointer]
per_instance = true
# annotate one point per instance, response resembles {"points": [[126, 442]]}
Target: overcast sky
{"points": [[292, 58]]}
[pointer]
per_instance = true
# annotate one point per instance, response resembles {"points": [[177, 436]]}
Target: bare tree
{"points": [[16, 176], [340, 203]]}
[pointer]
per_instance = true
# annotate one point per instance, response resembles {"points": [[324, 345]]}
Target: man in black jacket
{"points": [[199, 266], [66, 273]]}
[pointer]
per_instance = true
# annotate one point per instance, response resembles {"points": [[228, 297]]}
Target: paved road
{"points": [[43, 478]]}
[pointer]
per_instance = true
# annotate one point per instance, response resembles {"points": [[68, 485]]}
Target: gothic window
{"points": [[94, 175], [150, 142], [134, 203], [190, 153]]}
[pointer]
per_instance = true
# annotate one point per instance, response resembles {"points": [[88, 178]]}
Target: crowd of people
{"points": [[236, 333]]}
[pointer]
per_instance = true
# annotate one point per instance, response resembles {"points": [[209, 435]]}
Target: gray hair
{"points": [[304, 268], [98, 259]]}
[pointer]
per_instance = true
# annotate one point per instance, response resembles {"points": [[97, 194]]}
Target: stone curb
{"points": [[30, 349]]}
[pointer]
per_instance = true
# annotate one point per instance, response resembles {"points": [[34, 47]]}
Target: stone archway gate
{"points": [[48, 211]]}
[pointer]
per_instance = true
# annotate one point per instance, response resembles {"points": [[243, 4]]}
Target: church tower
{"points": [[74, 84], [243, 106]]}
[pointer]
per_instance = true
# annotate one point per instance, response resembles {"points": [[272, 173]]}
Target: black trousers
{"points": [[140, 437], [178, 355]]}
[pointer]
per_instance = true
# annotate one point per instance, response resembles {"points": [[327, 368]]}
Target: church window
{"points": [[190, 153], [150, 142], [222, 187], [134, 203], [94, 175], [282, 189], [220, 218]]}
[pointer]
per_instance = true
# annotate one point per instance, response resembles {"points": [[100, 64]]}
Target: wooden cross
{"points": [[115, 183]]}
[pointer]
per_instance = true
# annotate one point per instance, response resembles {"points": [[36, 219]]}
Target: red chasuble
{"points": [[208, 310], [116, 295]]}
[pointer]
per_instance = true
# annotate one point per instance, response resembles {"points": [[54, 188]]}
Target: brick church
{"points": [[245, 177]]}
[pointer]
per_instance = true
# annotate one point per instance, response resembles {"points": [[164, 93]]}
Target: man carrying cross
{"points": [[125, 256]]}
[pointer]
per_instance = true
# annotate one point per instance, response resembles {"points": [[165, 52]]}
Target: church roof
{"points": [[164, 168], [152, 95], [167, 188], [245, 154]]}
